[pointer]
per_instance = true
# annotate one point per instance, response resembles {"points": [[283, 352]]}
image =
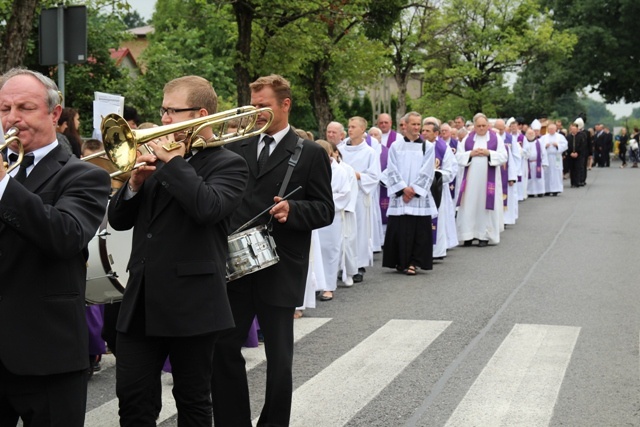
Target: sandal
{"points": [[297, 314], [410, 271]]}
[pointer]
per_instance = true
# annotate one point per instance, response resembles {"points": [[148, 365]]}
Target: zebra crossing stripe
{"points": [[520, 384], [106, 415], [353, 380]]}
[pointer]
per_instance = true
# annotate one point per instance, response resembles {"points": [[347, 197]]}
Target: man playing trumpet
{"points": [[50, 208]]}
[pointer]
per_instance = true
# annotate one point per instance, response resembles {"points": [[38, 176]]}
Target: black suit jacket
{"points": [[45, 227], [311, 207], [180, 218]]}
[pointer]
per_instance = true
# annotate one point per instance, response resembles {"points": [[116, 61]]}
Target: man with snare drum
{"points": [[274, 292], [175, 301]]}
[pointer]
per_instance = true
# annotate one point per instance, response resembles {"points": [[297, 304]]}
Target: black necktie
{"points": [[27, 161], [264, 153]]}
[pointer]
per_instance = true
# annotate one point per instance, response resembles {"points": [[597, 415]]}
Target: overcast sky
{"points": [[146, 7], [143, 7]]}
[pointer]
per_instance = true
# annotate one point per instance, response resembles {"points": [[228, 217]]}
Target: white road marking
{"points": [[520, 384]]}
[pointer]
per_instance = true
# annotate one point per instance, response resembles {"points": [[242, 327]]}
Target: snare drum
{"points": [[250, 251], [107, 274]]}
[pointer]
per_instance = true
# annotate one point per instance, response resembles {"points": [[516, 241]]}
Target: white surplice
{"points": [[408, 166], [331, 236], [535, 186], [364, 160], [474, 220], [557, 145]]}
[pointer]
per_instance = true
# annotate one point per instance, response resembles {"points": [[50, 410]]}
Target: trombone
{"points": [[10, 137], [121, 142]]}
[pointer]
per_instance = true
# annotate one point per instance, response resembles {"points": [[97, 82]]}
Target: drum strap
{"points": [[293, 161]]}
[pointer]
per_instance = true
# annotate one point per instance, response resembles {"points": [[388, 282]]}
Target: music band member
{"points": [[274, 292], [50, 208], [175, 301]]}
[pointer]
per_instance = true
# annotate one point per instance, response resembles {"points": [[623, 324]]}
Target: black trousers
{"points": [[43, 401], [576, 167], [138, 368], [229, 386]]}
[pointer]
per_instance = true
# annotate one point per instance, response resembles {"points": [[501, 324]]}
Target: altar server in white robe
{"points": [[445, 235], [555, 144], [480, 208], [410, 171], [538, 163], [349, 247], [512, 171], [366, 163], [373, 140], [331, 236]]}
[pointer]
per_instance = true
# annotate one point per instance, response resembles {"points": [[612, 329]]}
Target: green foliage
{"points": [[133, 20], [190, 38], [608, 37], [490, 38]]}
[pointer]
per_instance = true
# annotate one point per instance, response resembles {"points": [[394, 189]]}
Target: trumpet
{"points": [[121, 143], [10, 137]]}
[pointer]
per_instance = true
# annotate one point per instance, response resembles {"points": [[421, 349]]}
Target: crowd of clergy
{"points": [[416, 192]]}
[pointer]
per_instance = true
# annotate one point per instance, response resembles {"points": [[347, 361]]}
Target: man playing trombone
{"points": [[50, 208], [175, 299]]}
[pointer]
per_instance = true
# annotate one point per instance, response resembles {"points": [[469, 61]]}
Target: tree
{"points": [[488, 39], [18, 17], [415, 39], [313, 41], [605, 56], [190, 37], [133, 20]]}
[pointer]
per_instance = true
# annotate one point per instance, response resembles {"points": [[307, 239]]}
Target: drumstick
{"points": [[252, 220]]}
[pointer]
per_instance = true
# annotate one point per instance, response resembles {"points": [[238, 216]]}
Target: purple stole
{"points": [[505, 170], [392, 138], [538, 161], [492, 145], [384, 197]]}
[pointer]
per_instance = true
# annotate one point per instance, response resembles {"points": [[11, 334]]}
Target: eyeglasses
{"points": [[171, 111]]}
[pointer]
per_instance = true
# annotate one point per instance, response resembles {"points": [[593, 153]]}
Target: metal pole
{"points": [[61, 50]]}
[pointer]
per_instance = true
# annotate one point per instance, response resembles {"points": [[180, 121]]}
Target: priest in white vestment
{"points": [[480, 208], [555, 143], [366, 163]]}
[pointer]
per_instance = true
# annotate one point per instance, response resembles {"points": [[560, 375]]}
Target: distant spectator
{"points": [[68, 125]]}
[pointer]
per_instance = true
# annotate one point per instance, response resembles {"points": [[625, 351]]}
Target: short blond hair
{"points": [[362, 121], [200, 92]]}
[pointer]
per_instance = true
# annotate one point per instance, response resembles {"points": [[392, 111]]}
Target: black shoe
{"points": [[438, 258], [357, 278], [362, 270], [468, 242], [540, 195], [554, 194], [483, 243], [326, 298]]}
